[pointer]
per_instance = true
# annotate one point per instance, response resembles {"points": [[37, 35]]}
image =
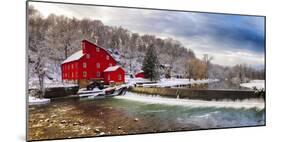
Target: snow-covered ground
{"points": [[259, 84], [178, 81], [35, 85], [132, 81], [36, 101]]}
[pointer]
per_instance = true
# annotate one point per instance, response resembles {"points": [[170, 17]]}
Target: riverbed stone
{"points": [[97, 130], [47, 120], [136, 119]]}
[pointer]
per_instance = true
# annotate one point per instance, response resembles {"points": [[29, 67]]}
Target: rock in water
{"points": [[119, 127], [63, 121], [136, 119], [97, 130]]}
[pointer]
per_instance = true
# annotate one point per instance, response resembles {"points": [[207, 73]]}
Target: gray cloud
{"points": [[231, 38]]}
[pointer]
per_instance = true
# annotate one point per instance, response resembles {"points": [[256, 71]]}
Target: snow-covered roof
{"points": [[112, 68], [76, 56], [140, 71]]}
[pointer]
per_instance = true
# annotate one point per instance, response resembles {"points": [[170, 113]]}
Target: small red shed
{"points": [[114, 74], [139, 74]]}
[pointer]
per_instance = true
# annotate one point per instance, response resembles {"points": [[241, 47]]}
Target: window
{"points": [[107, 57], [98, 65], [72, 74], [88, 56], [98, 49], [119, 77], [84, 65], [68, 67], [76, 65], [72, 66], [110, 64], [98, 74], [84, 74], [65, 74], [108, 77], [77, 74]]}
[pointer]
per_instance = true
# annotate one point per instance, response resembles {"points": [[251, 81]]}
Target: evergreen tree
{"points": [[151, 64]]}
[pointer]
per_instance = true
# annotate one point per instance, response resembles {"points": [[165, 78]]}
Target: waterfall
{"points": [[156, 99]]}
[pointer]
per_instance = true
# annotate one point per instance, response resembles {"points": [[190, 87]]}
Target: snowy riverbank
{"points": [[51, 85], [178, 81], [37, 101], [259, 84]]}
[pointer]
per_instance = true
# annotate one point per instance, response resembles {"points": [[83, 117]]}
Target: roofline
{"points": [[72, 60], [84, 40], [114, 70], [99, 47]]}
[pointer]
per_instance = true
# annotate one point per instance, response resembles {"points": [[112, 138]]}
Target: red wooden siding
{"points": [[91, 64], [117, 76], [139, 75]]}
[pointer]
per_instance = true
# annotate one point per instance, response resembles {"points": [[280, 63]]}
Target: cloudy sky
{"points": [[230, 39]]}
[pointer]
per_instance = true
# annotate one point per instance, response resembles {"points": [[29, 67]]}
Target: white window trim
{"points": [[87, 56], [84, 65]]}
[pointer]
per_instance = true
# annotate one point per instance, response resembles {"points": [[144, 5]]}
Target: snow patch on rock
{"points": [[36, 101]]}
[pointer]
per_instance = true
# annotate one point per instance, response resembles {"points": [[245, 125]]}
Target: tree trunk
{"points": [[41, 85], [65, 51]]}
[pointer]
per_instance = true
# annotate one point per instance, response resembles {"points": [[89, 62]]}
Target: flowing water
{"points": [[134, 113]]}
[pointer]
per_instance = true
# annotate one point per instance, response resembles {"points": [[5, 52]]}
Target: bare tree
{"points": [[207, 61]]}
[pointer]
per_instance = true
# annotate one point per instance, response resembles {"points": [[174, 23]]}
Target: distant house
{"points": [[92, 63], [139, 74]]}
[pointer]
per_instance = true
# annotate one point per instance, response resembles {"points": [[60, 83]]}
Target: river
{"points": [[134, 113]]}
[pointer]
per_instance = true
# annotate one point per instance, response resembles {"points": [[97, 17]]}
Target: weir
{"points": [[202, 94]]}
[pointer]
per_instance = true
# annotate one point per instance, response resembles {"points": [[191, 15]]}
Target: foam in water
{"points": [[153, 99]]}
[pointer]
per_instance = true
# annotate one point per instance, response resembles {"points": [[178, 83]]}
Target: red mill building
{"points": [[92, 63]]}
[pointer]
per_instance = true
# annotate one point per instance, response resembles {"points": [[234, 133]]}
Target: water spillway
{"points": [[201, 94]]}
